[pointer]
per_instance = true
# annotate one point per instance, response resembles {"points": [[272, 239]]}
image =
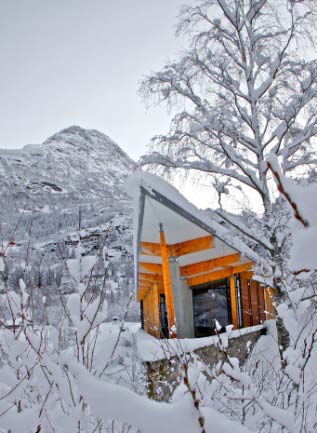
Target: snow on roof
{"points": [[152, 182]]}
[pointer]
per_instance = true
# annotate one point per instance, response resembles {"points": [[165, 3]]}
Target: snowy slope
{"points": [[73, 167], [42, 188]]}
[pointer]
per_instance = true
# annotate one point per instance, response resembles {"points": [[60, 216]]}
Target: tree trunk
{"points": [[283, 338]]}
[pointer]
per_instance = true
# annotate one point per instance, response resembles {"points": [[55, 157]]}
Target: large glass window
{"points": [[211, 301]]}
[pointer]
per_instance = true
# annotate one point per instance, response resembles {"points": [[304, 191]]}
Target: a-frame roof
{"points": [[156, 201]]}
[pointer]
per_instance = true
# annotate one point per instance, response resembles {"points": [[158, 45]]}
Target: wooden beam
{"points": [[153, 268], [144, 276], [233, 303], [149, 284], [150, 249], [218, 275], [167, 282], [192, 246], [144, 285], [179, 249], [208, 265]]}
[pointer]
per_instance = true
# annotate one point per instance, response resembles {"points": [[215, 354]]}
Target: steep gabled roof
{"points": [[156, 201]]}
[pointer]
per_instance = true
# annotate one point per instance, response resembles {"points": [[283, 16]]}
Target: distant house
{"points": [[190, 272]]}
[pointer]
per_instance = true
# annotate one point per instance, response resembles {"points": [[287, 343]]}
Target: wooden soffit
{"points": [[218, 275], [209, 265], [178, 249]]}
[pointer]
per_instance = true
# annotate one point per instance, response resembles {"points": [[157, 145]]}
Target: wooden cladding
{"points": [[218, 275], [151, 319], [142, 291], [144, 288], [257, 301], [233, 302], [179, 249], [252, 300], [268, 300], [245, 300], [208, 265]]}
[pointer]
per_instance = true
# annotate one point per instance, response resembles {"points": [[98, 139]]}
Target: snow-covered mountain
{"points": [[75, 179], [73, 167]]}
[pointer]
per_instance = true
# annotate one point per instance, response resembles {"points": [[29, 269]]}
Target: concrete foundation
{"points": [[164, 375]]}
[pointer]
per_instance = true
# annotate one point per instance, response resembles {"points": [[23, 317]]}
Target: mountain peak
{"points": [[85, 138], [76, 131]]}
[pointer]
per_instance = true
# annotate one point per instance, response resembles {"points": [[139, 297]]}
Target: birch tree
{"points": [[243, 98], [247, 89], [244, 90]]}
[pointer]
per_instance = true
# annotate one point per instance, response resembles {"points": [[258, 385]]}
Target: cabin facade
{"points": [[190, 272]]}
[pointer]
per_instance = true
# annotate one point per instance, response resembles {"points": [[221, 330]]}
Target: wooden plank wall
{"points": [[268, 299], [151, 313], [257, 302], [245, 300], [252, 300]]}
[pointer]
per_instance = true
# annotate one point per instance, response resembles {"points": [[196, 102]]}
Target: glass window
{"points": [[163, 318], [211, 301]]}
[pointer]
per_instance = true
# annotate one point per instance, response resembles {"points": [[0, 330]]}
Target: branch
{"points": [[289, 199]]}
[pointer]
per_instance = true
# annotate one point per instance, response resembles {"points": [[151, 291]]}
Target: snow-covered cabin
{"points": [[190, 272]]}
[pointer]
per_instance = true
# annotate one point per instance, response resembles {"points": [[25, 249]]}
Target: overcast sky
{"points": [[66, 62]]}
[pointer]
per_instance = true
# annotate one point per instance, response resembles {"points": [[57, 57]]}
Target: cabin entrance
{"points": [[164, 333], [211, 301]]}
